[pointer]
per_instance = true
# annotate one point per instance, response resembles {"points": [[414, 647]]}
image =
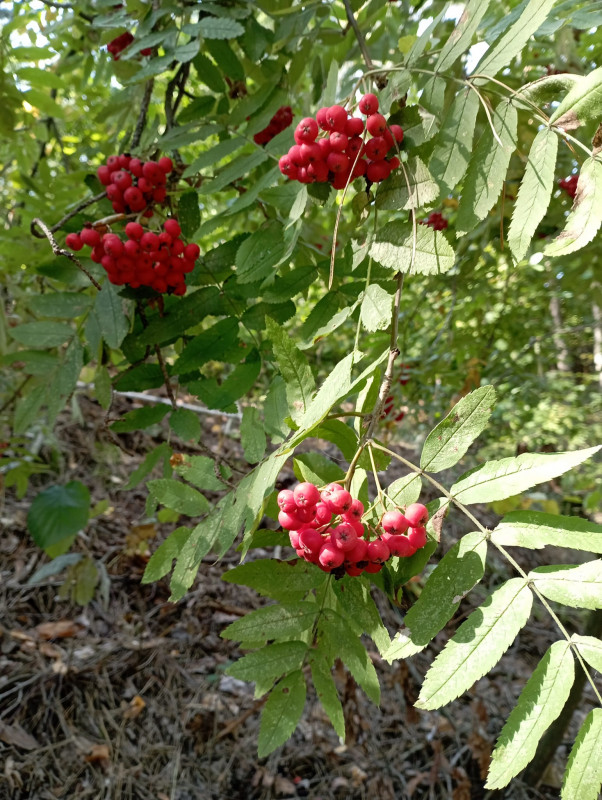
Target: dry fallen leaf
{"points": [[99, 753], [62, 629], [137, 705], [15, 735]]}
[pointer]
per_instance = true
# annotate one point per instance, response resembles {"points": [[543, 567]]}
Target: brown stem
{"points": [[358, 34], [148, 92], [79, 207], [165, 374], [16, 392], [60, 251]]}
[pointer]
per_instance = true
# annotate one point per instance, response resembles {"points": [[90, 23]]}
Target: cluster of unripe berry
{"points": [[122, 41], [343, 153], [134, 186], [281, 120], [325, 528], [436, 221], [569, 185], [158, 261]]}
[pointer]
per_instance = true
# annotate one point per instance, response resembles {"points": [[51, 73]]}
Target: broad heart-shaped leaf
{"points": [[577, 586], [375, 311], [58, 512], [446, 444], [540, 702], [586, 214], [161, 561], [497, 480], [534, 192], [287, 581], [252, 435], [583, 776], [419, 189], [220, 28], [513, 41], [260, 253], [272, 622], [460, 38], [487, 168], [282, 713], [178, 496], [294, 368], [395, 248], [581, 104], [535, 529], [269, 662], [590, 649], [477, 645], [453, 145], [460, 569], [327, 692]]}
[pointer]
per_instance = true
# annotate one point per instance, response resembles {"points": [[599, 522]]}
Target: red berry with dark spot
{"points": [[336, 118], [368, 104], [306, 495], [73, 241], [376, 124], [172, 227], [416, 514], [90, 237]]}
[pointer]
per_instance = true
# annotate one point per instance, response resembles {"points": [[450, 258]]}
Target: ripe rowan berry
{"points": [[368, 104], [416, 514], [73, 241]]}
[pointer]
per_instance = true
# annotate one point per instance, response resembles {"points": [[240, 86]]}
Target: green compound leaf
{"points": [[345, 644], [275, 411], [63, 305], [586, 214], [446, 444], [418, 190], [511, 44], [497, 480], [395, 248], [42, 334], [540, 702], [217, 343], [269, 662], [189, 214], [287, 581], [222, 396], [161, 561], [327, 693], [534, 193], [582, 103], [260, 253], [272, 622], [178, 496], [294, 368], [548, 88], [487, 168], [375, 311], [58, 513], [252, 435], [535, 529], [478, 644], [577, 586], [151, 460], [583, 776], [334, 389], [220, 28], [453, 145], [185, 424], [109, 312], [317, 468], [460, 38], [200, 470], [140, 418], [590, 649], [405, 490], [361, 612], [460, 569], [282, 713]]}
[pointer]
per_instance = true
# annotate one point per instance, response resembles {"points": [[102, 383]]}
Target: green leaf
{"points": [[327, 693], [345, 643], [394, 247], [453, 145], [186, 314], [405, 490], [590, 649], [161, 561], [332, 391], [269, 662], [185, 424], [330, 88], [582, 104], [540, 702], [535, 529], [534, 192], [513, 41], [446, 444], [460, 38], [220, 28], [200, 470], [586, 214], [583, 776], [417, 190], [287, 581], [487, 168], [361, 611], [214, 155], [240, 381], [260, 253], [217, 343], [209, 74], [272, 622], [548, 88], [64, 305], [178, 496], [375, 311], [497, 480], [140, 418], [316, 468], [42, 334], [275, 411], [460, 569], [477, 645], [109, 312], [58, 513], [153, 457], [577, 586], [281, 713], [324, 318], [294, 368], [252, 435], [102, 387], [189, 214], [238, 168]]}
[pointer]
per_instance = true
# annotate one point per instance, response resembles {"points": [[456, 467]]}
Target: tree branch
{"points": [[138, 130], [79, 207], [60, 251], [358, 34]]}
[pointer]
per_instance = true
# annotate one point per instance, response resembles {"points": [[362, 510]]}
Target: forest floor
{"points": [[126, 697]]}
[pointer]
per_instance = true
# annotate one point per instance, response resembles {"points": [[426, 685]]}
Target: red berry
{"points": [[286, 501], [296, 156], [354, 145], [172, 227], [104, 175], [373, 568], [355, 510], [192, 251], [417, 537], [361, 165], [112, 244], [311, 152], [135, 167], [354, 126], [122, 179], [336, 118], [306, 130], [134, 230], [306, 495], [134, 198], [344, 536], [165, 164], [152, 172], [394, 163], [368, 104], [330, 556], [376, 124], [90, 237], [378, 551], [338, 141], [318, 172], [376, 149], [358, 552], [378, 171], [323, 514], [287, 167], [113, 162], [354, 571], [73, 241], [341, 179], [149, 242], [289, 521], [416, 514], [310, 540], [339, 500], [399, 546], [294, 539], [321, 118], [397, 132], [337, 162], [394, 522], [114, 193]]}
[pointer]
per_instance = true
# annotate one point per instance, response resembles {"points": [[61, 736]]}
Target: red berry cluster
{"points": [[134, 185], [436, 221], [159, 261], [342, 154], [281, 120], [117, 45], [325, 528], [569, 185]]}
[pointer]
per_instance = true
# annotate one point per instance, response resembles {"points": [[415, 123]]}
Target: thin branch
{"points": [[67, 7], [79, 207], [138, 130], [358, 34], [167, 382], [60, 251]]}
